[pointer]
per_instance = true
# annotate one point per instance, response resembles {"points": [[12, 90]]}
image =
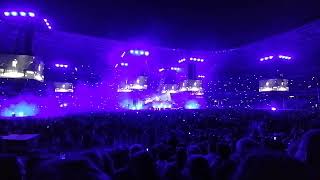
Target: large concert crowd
{"points": [[168, 145]]}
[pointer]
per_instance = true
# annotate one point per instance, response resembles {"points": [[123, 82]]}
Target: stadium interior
{"points": [[132, 110]]}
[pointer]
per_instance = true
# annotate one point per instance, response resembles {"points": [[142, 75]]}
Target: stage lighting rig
{"points": [[24, 17]]}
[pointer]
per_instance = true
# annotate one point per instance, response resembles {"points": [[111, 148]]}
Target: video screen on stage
{"points": [[139, 83], [191, 85], [63, 87], [273, 85], [21, 67]]}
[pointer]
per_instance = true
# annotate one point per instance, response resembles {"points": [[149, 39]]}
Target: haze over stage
{"points": [[108, 75]]}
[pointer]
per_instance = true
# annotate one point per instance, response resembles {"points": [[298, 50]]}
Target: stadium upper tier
{"points": [[301, 44]]}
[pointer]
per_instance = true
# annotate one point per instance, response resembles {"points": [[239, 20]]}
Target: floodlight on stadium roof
{"points": [[26, 14], [139, 52], [272, 57]]}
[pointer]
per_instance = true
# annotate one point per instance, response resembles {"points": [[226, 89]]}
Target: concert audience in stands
{"points": [[192, 145]]}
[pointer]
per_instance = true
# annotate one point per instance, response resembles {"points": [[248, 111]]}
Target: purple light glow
{"points": [[271, 57], [139, 52], [123, 54], [175, 69], [47, 23], [61, 65], [273, 109], [31, 14], [266, 58], [22, 13], [14, 13], [124, 64], [196, 59], [182, 60], [284, 57]]}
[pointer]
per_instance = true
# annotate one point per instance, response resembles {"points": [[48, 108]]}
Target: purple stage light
{"points": [[45, 20], [182, 60], [284, 57], [57, 65], [22, 13], [14, 13], [6, 13], [65, 66], [49, 27], [123, 54], [31, 14], [139, 52], [266, 58], [273, 109], [194, 59], [124, 64]]}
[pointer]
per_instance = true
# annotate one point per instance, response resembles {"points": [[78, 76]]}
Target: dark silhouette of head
{"points": [[309, 148], [142, 167], [68, 169], [245, 146], [198, 168], [266, 166], [11, 168], [135, 148]]}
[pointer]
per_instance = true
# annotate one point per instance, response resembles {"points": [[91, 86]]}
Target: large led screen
{"points": [[21, 67], [273, 85], [63, 87]]}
